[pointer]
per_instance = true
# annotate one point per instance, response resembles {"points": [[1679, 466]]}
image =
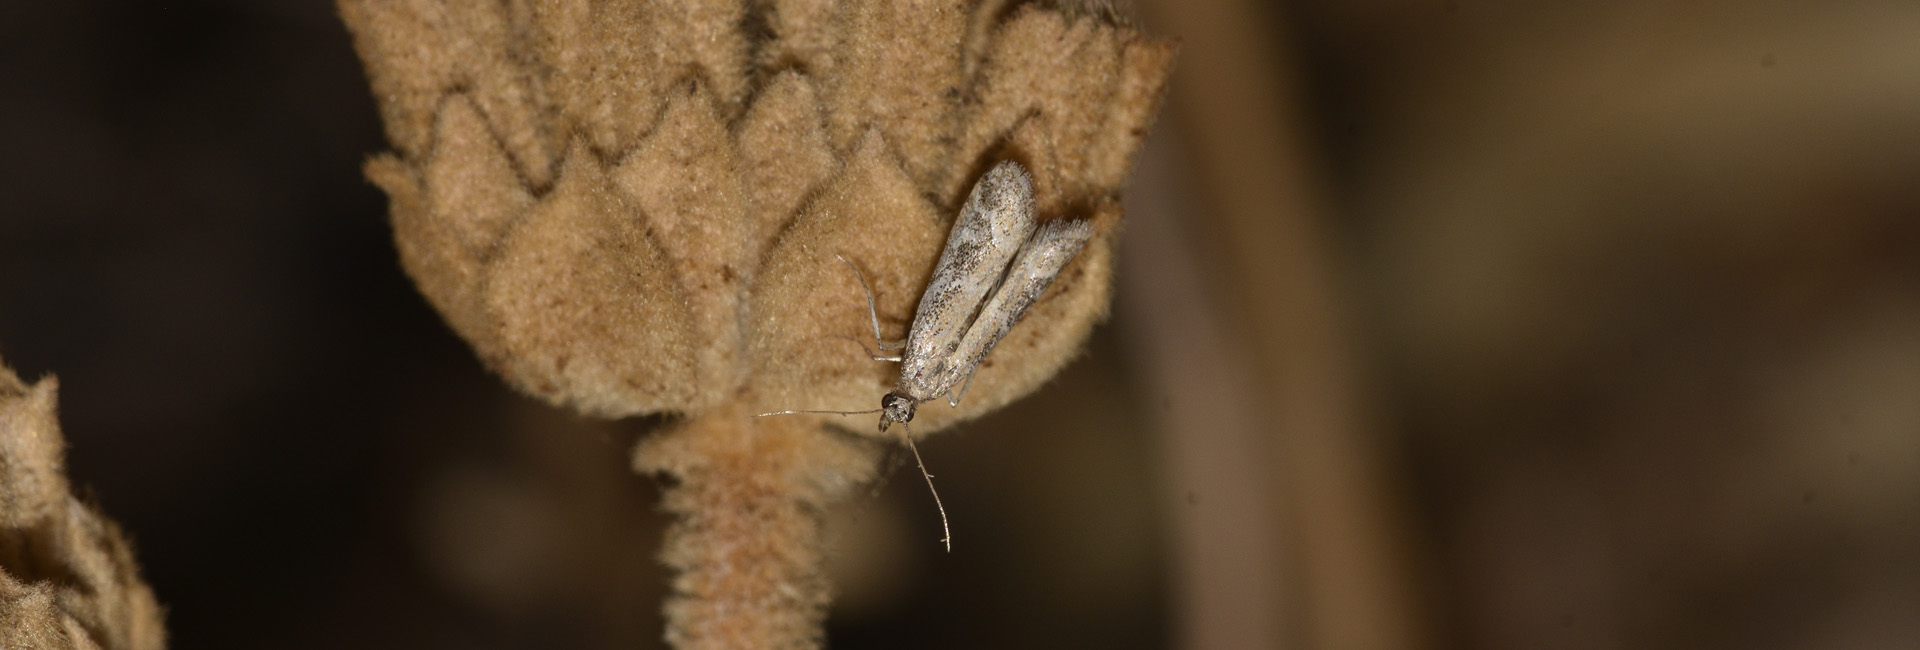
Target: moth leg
{"points": [[953, 399], [870, 353], [873, 316]]}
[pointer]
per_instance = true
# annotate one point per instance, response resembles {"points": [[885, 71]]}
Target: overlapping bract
{"points": [[635, 207]]}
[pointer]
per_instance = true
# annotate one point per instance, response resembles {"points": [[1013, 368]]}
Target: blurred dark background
{"points": [[1442, 324]]}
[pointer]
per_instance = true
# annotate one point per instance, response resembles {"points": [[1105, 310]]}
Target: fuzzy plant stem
{"points": [[749, 494], [642, 206]]}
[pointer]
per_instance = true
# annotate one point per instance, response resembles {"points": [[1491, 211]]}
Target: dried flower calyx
{"points": [[634, 207]]}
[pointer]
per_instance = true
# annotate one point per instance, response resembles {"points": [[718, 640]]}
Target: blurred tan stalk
{"points": [[1342, 574], [635, 207]]}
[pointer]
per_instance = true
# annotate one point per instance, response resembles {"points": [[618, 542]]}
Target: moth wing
{"points": [[991, 228], [1033, 270]]}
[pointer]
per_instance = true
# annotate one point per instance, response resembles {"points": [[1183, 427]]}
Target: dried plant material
{"points": [[67, 576], [636, 207], [897, 70], [748, 541], [802, 35], [783, 156], [1089, 87]]}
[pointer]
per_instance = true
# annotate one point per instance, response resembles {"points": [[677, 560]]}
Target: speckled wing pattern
{"points": [[993, 249], [1034, 268], [995, 222]]}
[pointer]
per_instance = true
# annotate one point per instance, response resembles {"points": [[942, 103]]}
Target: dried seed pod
{"points": [[635, 207]]}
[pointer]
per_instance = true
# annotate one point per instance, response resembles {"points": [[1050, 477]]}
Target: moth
{"points": [[997, 261]]}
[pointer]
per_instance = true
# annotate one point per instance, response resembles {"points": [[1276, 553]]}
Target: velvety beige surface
{"points": [[622, 224], [636, 207]]}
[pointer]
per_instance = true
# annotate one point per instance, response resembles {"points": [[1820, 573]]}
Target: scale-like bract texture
{"points": [[633, 207]]}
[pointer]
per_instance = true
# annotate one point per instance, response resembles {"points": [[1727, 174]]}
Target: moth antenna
{"points": [[762, 415], [946, 531]]}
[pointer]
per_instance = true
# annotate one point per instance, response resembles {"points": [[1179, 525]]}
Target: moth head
{"points": [[895, 407]]}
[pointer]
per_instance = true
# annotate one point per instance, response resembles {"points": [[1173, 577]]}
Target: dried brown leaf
{"points": [[67, 575]]}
